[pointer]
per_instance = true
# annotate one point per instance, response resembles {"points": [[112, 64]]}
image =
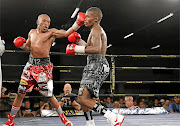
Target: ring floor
{"points": [[130, 120]]}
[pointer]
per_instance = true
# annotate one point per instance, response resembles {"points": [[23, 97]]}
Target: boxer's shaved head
{"points": [[97, 12], [43, 16], [43, 22]]}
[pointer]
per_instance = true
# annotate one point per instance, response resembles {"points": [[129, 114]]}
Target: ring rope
{"points": [[146, 68], [119, 68], [111, 95], [107, 82], [112, 56], [113, 75], [134, 56]]}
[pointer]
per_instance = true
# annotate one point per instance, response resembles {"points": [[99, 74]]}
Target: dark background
{"points": [[121, 17]]}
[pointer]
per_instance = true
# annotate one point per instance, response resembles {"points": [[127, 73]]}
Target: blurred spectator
{"points": [[103, 100], [121, 103], [174, 106], [116, 104], [162, 101], [6, 102], [135, 103], [3, 92], [68, 99], [142, 105], [109, 103], [166, 105], [156, 103], [129, 102], [38, 106], [27, 110], [143, 100], [45, 106]]}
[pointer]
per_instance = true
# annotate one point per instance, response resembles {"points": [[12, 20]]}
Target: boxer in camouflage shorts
{"points": [[97, 68], [94, 73]]}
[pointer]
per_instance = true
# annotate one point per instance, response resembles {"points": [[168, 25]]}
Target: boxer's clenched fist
{"points": [[19, 42]]}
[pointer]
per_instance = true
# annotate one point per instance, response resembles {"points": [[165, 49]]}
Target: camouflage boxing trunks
{"points": [[94, 73], [38, 73]]}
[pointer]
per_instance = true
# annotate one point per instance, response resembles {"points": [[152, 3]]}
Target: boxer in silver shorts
{"points": [[94, 73], [97, 68]]}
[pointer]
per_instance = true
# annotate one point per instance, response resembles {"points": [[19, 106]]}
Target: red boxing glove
{"points": [[19, 41], [79, 21], [81, 18], [71, 49], [74, 37]]}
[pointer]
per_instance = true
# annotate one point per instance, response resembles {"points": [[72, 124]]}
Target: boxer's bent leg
{"points": [[87, 113], [47, 91], [53, 101], [18, 100], [55, 104], [15, 107], [85, 109], [84, 100], [17, 103]]}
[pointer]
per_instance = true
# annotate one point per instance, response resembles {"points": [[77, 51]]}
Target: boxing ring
{"points": [[130, 120]]}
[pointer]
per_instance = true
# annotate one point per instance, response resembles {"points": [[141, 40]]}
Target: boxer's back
{"points": [[104, 43]]}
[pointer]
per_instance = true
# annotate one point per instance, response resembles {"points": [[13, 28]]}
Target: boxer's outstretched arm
{"points": [[82, 42], [61, 33], [96, 43]]}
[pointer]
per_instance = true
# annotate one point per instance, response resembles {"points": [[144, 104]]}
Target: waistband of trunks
{"points": [[39, 61], [95, 57]]}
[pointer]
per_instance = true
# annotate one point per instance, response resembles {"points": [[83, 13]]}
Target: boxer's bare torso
{"points": [[40, 40], [98, 33], [40, 43]]}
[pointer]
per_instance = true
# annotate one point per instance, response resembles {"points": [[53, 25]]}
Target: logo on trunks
{"points": [[23, 82], [35, 61], [42, 77], [106, 68]]}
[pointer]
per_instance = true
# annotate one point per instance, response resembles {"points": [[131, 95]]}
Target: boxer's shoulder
{"points": [[32, 31], [53, 30], [97, 29]]}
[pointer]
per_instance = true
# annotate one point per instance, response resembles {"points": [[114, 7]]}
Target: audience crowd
{"points": [[32, 107]]}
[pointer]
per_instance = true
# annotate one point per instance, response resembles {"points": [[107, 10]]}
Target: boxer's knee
{"points": [[80, 99], [85, 109], [20, 95]]}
